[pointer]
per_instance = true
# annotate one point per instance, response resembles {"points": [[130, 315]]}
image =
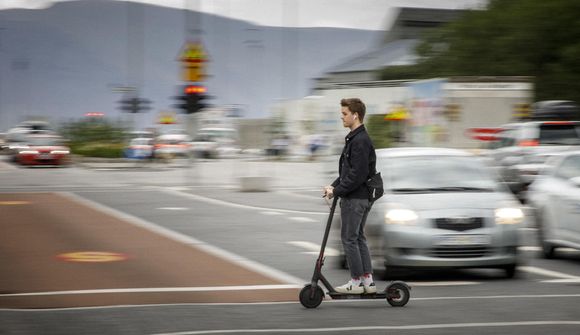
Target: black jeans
{"points": [[353, 237]]}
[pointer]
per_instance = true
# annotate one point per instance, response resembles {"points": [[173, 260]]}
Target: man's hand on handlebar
{"points": [[328, 192]]}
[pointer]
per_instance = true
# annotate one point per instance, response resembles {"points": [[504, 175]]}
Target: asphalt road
{"points": [[170, 219]]}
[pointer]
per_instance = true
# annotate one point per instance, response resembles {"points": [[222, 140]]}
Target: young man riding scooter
{"points": [[356, 162]]}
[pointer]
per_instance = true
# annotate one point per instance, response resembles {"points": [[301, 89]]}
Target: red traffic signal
{"points": [[193, 99], [194, 89]]}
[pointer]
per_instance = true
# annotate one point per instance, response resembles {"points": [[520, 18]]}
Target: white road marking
{"points": [[271, 213], [314, 249], [173, 208], [534, 248], [347, 301], [233, 205], [301, 219], [563, 281], [156, 290], [522, 296], [547, 273], [190, 241], [368, 328]]}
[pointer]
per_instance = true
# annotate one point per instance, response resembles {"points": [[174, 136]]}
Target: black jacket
{"points": [[357, 162]]}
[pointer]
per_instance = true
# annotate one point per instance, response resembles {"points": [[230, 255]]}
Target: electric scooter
{"points": [[397, 293]]}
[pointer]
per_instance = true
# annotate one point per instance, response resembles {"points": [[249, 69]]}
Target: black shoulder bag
{"points": [[375, 186]]}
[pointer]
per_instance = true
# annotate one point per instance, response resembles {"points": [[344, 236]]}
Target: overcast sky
{"points": [[360, 14]]}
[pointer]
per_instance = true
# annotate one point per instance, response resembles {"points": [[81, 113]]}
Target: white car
{"points": [[442, 208], [172, 145], [204, 147], [555, 195]]}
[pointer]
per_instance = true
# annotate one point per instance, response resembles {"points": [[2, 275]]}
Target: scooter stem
{"points": [[327, 231]]}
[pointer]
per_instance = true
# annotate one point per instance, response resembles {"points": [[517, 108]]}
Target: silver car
{"points": [[555, 195], [442, 208]]}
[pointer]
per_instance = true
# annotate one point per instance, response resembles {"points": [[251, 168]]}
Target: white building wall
{"points": [[481, 104]]}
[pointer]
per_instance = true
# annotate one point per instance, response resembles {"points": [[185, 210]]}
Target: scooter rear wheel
{"points": [[398, 294], [311, 299]]}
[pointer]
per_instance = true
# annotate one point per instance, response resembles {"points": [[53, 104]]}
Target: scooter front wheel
{"points": [[398, 294], [310, 298]]}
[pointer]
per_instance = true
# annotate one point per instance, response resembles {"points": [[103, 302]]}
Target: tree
{"points": [[379, 130], [96, 137], [534, 38]]}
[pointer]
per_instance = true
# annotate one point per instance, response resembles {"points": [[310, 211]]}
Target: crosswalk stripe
{"points": [[547, 273], [314, 248], [301, 219]]}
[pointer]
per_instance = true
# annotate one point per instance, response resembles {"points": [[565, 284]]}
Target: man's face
{"points": [[347, 117]]}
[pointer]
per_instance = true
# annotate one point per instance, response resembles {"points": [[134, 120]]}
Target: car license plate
{"points": [[463, 239], [45, 156]]}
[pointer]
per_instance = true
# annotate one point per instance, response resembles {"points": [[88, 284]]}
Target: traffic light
{"points": [[193, 99], [135, 105]]}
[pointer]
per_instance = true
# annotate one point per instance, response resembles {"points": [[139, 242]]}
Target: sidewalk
{"points": [[265, 174], [224, 174]]}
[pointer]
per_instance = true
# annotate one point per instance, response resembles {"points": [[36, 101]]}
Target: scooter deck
{"points": [[378, 295]]}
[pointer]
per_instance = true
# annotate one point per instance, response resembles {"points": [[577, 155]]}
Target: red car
{"points": [[43, 150]]}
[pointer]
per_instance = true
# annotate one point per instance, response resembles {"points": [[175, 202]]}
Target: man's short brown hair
{"points": [[355, 105]]}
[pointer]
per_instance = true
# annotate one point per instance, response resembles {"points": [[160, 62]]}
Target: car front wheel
{"points": [[510, 270]]}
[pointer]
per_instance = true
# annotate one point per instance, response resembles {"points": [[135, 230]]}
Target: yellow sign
{"points": [[92, 257], [193, 58], [192, 73], [397, 113], [167, 118], [193, 53]]}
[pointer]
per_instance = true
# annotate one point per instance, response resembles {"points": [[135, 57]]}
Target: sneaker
{"points": [[370, 288], [350, 288]]}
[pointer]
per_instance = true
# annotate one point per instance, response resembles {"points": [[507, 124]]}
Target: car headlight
{"points": [[60, 152], [28, 152], [400, 216], [509, 215]]}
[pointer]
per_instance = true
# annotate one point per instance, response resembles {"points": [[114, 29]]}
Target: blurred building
{"points": [[434, 112], [396, 48]]}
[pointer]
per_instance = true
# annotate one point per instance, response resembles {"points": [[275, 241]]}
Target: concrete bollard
{"points": [[255, 184]]}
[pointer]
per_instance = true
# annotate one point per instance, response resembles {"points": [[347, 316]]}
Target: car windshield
{"points": [[436, 174], [560, 134], [44, 141]]}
